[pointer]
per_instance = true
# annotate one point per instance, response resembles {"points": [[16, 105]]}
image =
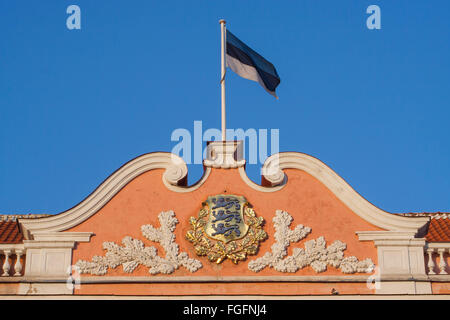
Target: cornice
{"points": [[33, 244], [385, 235], [11, 246], [438, 245], [175, 175], [63, 236], [275, 164]]}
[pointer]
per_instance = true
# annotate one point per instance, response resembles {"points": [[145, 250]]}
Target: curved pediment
{"points": [[174, 178]]}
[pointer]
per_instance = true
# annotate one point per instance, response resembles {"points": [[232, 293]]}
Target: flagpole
{"points": [[222, 78]]}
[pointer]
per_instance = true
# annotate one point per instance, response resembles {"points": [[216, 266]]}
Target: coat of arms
{"points": [[226, 227]]}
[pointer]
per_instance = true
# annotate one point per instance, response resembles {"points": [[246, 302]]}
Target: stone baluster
{"points": [[430, 261], [442, 263], [18, 265], [6, 265]]}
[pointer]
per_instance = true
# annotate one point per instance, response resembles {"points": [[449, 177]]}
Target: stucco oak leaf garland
{"points": [[315, 254], [134, 252]]}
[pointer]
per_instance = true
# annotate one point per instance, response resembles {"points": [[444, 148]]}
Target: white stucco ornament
{"points": [[315, 254], [134, 252]]}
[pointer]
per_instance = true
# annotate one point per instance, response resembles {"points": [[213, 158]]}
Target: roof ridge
{"points": [[432, 215], [14, 217]]}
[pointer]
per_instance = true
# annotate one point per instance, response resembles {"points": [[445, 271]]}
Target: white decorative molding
{"points": [[224, 154], [385, 235], [183, 189], [175, 173], [11, 246], [63, 236], [256, 186], [33, 244], [272, 171], [219, 153], [340, 188], [439, 245], [134, 252], [316, 254]]}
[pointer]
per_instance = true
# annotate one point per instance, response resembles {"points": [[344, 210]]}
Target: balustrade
{"points": [[440, 254], [8, 254]]}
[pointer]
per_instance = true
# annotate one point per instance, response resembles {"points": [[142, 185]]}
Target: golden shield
{"points": [[226, 227], [226, 218]]}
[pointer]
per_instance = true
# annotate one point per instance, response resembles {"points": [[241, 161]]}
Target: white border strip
{"points": [[231, 279]]}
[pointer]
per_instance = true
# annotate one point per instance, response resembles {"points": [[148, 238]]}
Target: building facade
{"points": [[302, 232]]}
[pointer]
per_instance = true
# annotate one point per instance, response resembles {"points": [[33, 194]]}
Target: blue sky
{"points": [[75, 105]]}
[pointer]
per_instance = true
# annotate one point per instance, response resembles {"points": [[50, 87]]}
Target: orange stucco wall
{"points": [[307, 200], [192, 289], [440, 287]]}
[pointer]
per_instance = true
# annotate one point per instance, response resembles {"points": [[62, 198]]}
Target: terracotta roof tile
{"points": [[439, 228], [10, 232]]}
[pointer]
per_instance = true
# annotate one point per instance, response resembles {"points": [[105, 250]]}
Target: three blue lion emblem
{"points": [[226, 213]]}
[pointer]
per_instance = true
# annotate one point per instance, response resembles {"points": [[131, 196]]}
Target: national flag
{"points": [[250, 65]]}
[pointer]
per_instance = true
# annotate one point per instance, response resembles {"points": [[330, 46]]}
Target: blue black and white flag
{"points": [[250, 65]]}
